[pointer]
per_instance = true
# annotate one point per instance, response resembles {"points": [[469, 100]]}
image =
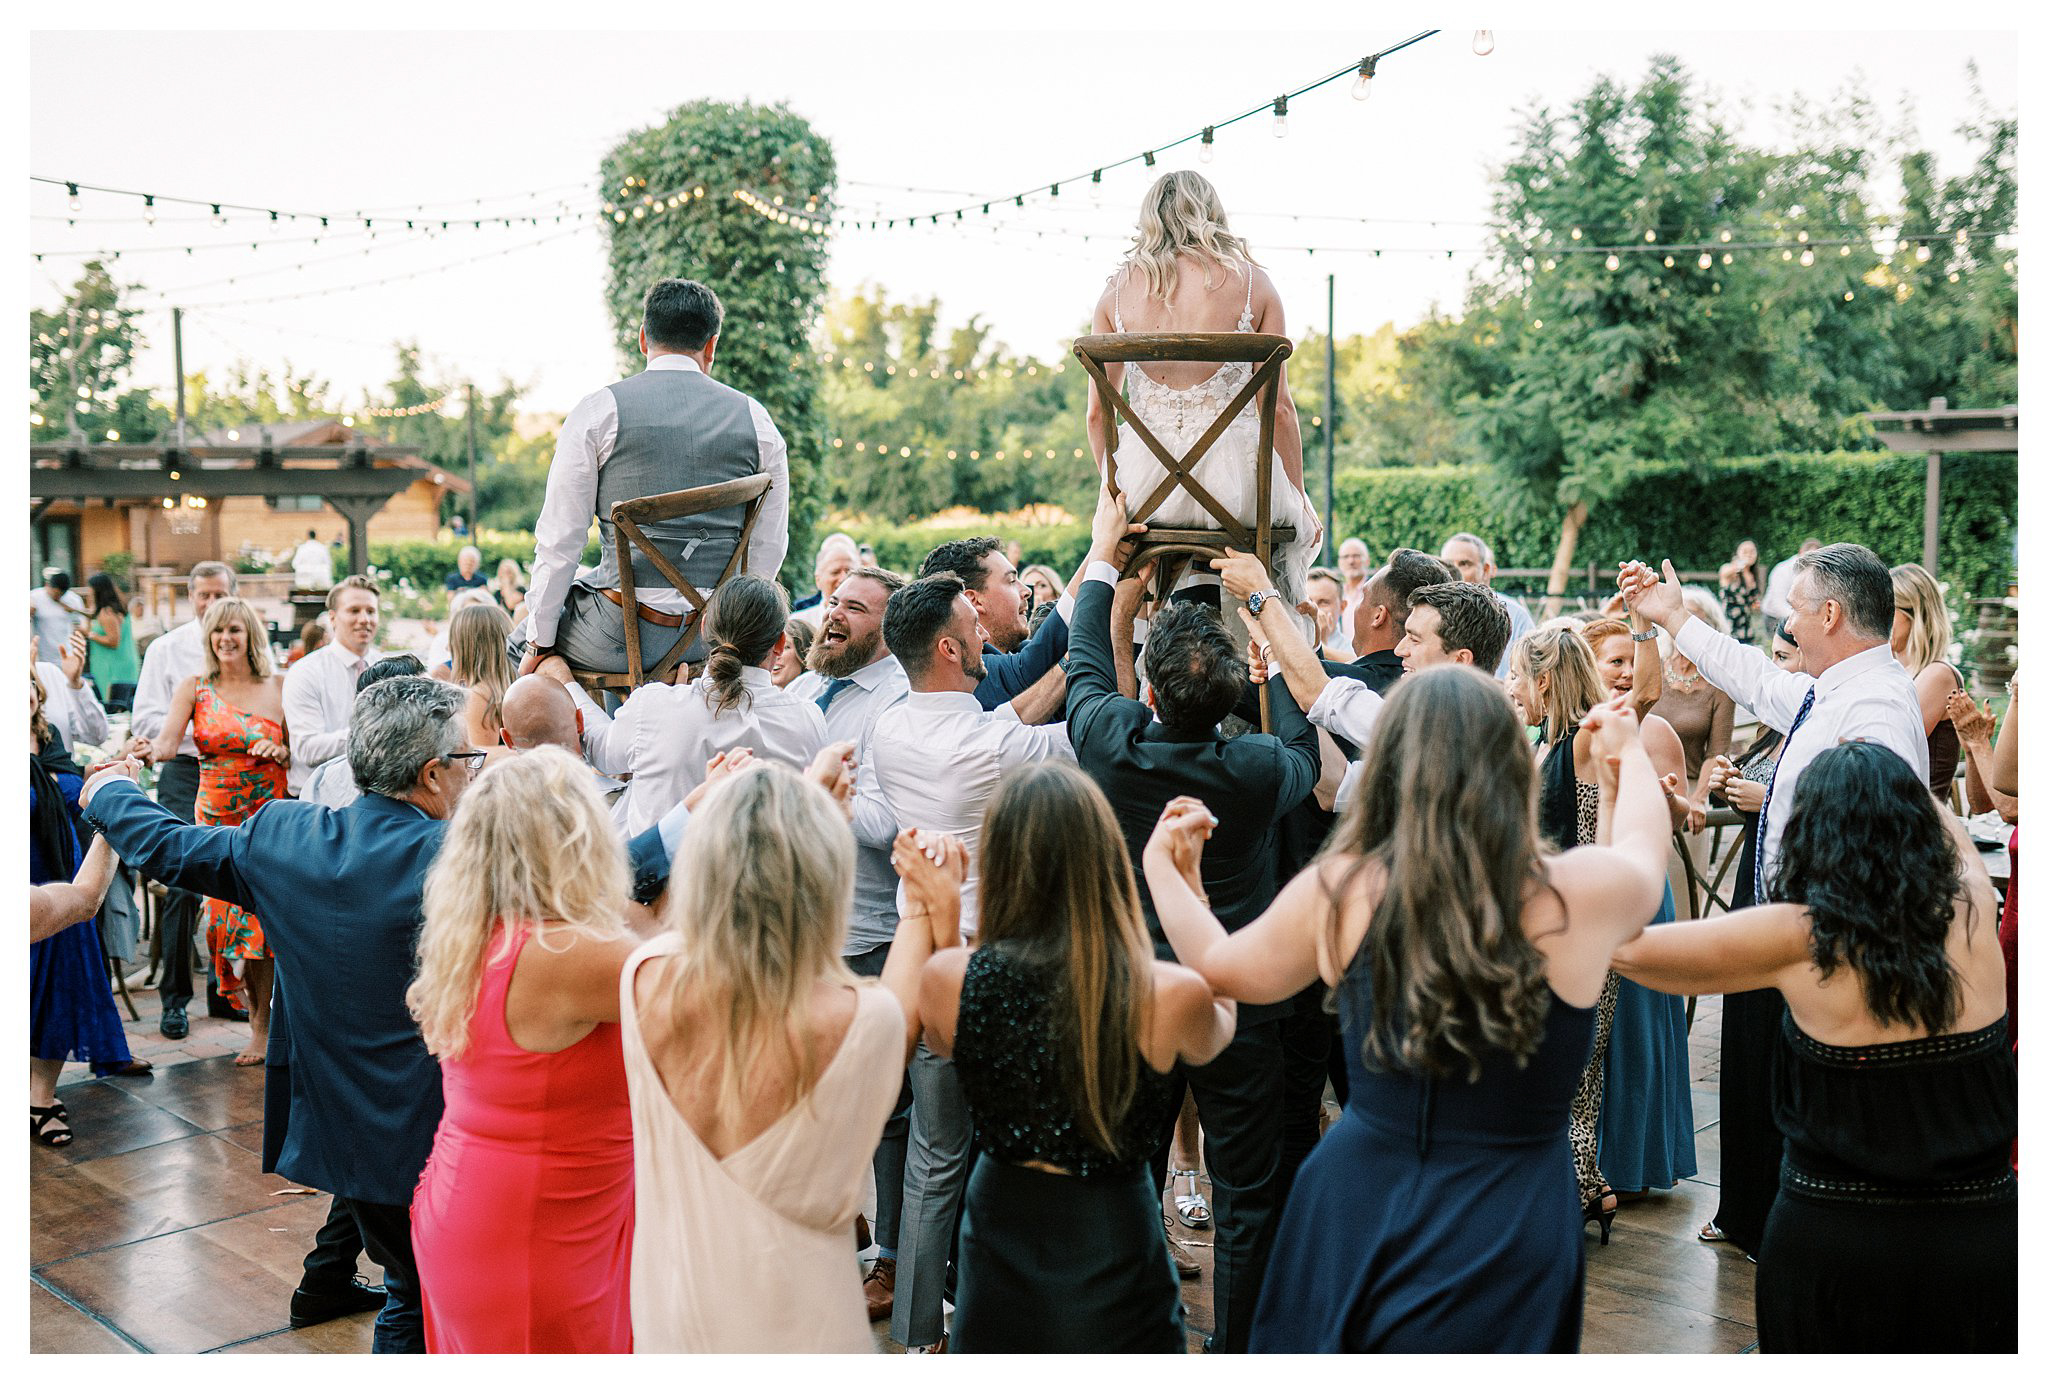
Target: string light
{"points": [[1208, 154], [73, 202], [1613, 262], [1280, 117], [1361, 90]]}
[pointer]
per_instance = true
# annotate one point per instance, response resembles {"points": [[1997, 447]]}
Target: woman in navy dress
{"points": [[1442, 1212], [1896, 1224]]}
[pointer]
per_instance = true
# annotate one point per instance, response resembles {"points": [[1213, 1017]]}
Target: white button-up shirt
{"points": [[867, 694], [586, 441], [1347, 707], [319, 694], [1867, 696], [172, 657], [73, 712], [665, 735], [938, 758]]}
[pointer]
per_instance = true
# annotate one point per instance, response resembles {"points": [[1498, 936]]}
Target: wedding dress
{"points": [[1228, 470]]}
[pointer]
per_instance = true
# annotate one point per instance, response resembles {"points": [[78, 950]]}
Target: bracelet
{"points": [[1644, 637]]}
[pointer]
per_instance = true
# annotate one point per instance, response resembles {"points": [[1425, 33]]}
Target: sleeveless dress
{"points": [[522, 1221], [1053, 1262], [1896, 1226], [232, 784], [119, 664], [753, 1252], [1228, 470], [1944, 749], [1646, 1123], [1437, 1215]]}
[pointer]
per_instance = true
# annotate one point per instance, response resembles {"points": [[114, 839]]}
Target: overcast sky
{"points": [[337, 122]]}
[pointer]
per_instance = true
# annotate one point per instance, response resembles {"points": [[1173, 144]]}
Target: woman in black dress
{"points": [[1896, 1226], [1064, 1032], [1442, 1212]]}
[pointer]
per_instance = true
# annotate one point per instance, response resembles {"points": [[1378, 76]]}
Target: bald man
{"points": [[537, 710]]}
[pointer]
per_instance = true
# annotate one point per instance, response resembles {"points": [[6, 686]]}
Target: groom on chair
{"points": [[670, 427]]}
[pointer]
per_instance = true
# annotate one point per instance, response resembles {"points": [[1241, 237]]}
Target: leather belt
{"points": [[652, 617]]}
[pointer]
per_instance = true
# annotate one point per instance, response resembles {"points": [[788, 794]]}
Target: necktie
{"points": [[358, 667], [833, 689], [1763, 816]]}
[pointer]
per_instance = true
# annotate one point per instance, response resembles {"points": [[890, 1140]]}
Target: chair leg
{"points": [[119, 973]]}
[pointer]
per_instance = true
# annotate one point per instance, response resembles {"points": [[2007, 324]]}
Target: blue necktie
{"points": [[1763, 816], [833, 689]]}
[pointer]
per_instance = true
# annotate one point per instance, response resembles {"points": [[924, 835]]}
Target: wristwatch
{"points": [[1257, 600], [1646, 636]]}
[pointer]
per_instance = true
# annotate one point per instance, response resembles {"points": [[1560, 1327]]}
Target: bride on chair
{"points": [[1186, 272]]}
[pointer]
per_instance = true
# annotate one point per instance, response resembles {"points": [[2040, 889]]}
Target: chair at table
{"points": [[627, 517], [1172, 547]]}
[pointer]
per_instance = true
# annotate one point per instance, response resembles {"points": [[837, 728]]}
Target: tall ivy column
{"points": [[734, 196]]}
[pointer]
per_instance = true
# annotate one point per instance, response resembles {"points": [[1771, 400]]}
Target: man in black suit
{"points": [[1196, 673], [365, 1092]]}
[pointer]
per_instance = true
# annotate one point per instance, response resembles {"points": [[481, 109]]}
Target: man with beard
{"points": [[862, 680], [937, 757], [1017, 666]]}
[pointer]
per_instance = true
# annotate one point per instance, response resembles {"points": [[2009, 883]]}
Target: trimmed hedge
{"points": [[1696, 517]]}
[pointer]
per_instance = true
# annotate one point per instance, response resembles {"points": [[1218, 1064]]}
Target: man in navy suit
{"points": [[339, 893]]}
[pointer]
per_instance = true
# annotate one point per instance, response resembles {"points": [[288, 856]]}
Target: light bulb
{"points": [[1727, 257], [1613, 262], [1802, 237], [1576, 233], [1727, 236], [1669, 262], [1482, 41], [1649, 237], [1806, 258], [149, 211], [1706, 259], [1850, 296], [1280, 117], [1845, 252], [1361, 89], [1923, 254], [72, 188], [1208, 148]]}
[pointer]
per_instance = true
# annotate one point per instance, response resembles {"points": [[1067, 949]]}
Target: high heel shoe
{"points": [[1601, 1208]]}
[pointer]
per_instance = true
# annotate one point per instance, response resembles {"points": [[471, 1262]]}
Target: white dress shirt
{"points": [[1777, 601], [665, 735], [585, 444], [319, 693], [332, 784], [851, 716], [938, 759], [312, 565], [1868, 696], [1347, 707], [810, 686], [73, 712], [171, 658], [54, 617]]}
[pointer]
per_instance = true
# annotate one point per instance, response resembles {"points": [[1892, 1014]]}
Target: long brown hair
{"points": [[1056, 884], [1447, 810]]}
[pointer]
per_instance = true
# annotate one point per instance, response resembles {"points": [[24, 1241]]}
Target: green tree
{"points": [[80, 357], [674, 189], [249, 393]]}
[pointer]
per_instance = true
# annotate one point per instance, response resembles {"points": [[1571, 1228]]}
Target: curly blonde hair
{"points": [[1182, 215]]}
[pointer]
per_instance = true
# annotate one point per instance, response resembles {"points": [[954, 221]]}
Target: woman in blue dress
{"points": [[1442, 1212]]}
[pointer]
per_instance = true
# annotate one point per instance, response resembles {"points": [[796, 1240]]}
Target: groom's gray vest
{"points": [[678, 429]]}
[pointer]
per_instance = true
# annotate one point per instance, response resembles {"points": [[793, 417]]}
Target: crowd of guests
{"points": [[966, 885]]}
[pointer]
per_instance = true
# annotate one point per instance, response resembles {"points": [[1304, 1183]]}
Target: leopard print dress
{"points": [[1585, 1123]]}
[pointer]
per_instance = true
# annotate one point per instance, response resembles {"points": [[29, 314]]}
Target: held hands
{"points": [[1242, 573], [1973, 723], [100, 775], [139, 748], [833, 771], [1614, 728], [1177, 840], [1656, 601], [932, 866]]}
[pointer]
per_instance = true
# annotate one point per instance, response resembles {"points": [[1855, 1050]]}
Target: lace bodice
{"points": [[1187, 413]]}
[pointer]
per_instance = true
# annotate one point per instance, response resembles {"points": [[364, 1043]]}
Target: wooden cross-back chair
{"points": [[627, 517], [1172, 548]]}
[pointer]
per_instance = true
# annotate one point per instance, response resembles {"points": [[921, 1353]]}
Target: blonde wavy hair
{"points": [[255, 635], [759, 898], [1915, 591], [530, 842], [1559, 653], [1182, 215]]}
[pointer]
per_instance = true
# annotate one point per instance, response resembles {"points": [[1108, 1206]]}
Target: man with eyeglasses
{"points": [[365, 1095]]}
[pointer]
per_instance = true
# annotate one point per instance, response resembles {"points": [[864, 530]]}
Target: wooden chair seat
{"points": [[627, 517]]}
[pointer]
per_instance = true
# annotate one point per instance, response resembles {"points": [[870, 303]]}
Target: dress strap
{"points": [[1244, 321], [1116, 295]]}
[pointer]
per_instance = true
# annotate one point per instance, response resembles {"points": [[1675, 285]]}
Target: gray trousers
{"points": [[592, 634], [934, 1181], [894, 1149]]}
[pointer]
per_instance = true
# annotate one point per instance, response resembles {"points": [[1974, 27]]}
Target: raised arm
{"points": [[1743, 673], [205, 860], [1243, 575], [1616, 887]]}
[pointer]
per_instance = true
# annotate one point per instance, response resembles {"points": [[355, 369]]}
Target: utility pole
{"points": [[71, 402], [178, 364], [469, 416], [1330, 429]]}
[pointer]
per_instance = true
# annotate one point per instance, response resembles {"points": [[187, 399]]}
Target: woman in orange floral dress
{"points": [[236, 710]]}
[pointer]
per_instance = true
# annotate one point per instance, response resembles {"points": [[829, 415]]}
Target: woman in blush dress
{"points": [[522, 1222], [761, 1071], [1188, 272], [1896, 1224], [235, 708], [1442, 1212]]}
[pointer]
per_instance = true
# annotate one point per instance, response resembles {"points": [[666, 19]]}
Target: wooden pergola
{"points": [[345, 476], [1938, 429]]}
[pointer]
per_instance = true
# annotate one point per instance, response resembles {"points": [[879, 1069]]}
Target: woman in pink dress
{"points": [[522, 1222]]}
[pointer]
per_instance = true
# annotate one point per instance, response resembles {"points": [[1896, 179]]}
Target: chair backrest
{"points": [[629, 515], [1266, 353]]}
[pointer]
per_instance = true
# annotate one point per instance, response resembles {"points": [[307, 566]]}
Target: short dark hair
{"points": [[1857, 580], [1473, 618], [58, 579], [1407, 570], [681, 315], [916, 617], [385, 669], [963, 558], [1196, 670]]}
